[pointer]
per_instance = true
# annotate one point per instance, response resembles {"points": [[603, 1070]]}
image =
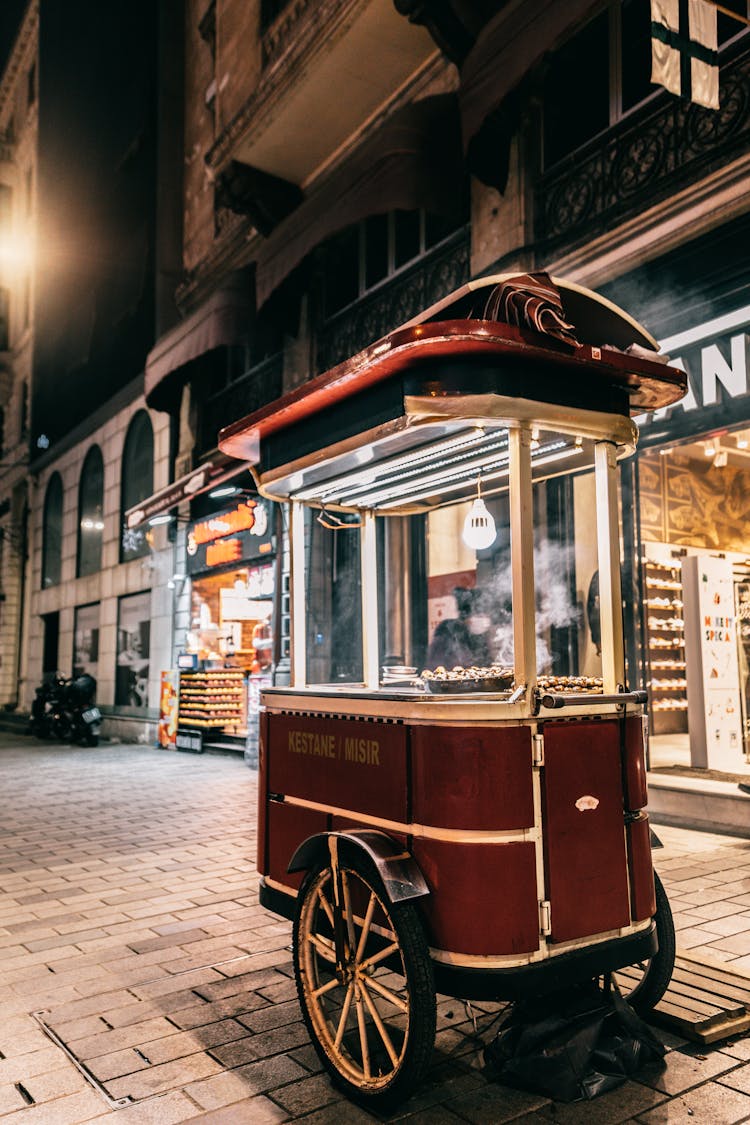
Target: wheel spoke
{"points": [[364, 1046], [344, 1015], [387, 994], [334, 983], [381, 956], [326, 905], [379, 1024], [323, 946], [366, 926]]}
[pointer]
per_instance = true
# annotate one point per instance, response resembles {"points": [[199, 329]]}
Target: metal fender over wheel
{"points": [[365, 982], [644, 984]]}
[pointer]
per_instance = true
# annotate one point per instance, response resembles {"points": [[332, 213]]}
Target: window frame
{"points": [[93, 454], [128, 501], [55, 481]]}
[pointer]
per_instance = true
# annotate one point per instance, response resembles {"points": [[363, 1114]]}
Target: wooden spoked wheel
{"points": [[364, 979], [644, 983]]}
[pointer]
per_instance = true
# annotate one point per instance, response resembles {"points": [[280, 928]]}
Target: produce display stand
{"points": [[484, 844]]}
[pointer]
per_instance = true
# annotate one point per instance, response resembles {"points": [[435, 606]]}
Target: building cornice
{"points": [[23, 48]]}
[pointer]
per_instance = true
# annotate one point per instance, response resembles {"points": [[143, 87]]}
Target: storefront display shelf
{"points": [[665, 645], [214, 699]]}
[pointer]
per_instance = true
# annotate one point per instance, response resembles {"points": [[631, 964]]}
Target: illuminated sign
{"points": [[715, 357], [234, 536], [225, 551]]}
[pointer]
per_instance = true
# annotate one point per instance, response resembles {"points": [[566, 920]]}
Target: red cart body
{"points": [[479, 830]]}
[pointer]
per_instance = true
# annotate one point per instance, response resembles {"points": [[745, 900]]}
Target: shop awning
{"points": [[209, 475], [413, 161], [506, 48], [220, 322]]}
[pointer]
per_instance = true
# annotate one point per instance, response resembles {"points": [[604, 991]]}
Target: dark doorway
{"points": [[51, 642]]}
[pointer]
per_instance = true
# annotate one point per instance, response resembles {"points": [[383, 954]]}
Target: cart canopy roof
{"points": [[500, 350]]}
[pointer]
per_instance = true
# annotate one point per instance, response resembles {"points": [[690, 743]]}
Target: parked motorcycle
{"points": [[65, 709]]}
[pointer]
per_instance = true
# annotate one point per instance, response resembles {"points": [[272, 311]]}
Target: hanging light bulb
{"points": [[479, 526]]}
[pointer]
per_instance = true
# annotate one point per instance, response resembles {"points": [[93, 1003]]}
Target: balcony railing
{"points": [[645, 158], [397, 300], [258, 386]]}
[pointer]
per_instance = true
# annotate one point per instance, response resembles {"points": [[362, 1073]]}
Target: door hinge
{"points": [[538, 749], [545, 918]]}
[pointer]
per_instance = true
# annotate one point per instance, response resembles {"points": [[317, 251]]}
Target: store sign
{"points": [[713, 687], [715, 356], [240, 533], [208, 475]]}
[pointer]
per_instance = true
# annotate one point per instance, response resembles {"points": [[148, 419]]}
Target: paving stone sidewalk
{"points": [[130, 928]]}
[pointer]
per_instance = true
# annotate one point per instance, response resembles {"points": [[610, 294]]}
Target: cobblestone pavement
{"points": [[130, 926]]}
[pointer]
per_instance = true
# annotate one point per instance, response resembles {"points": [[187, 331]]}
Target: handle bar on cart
{"points": [[555, 702]]}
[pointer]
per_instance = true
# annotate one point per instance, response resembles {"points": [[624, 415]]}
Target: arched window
{"points": [[90, 513], [137, 482], [52, 532]]}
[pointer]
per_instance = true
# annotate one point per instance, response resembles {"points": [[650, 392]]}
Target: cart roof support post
{"points": [[522, 555], [369, 571], [610, 592], [299, 633]]}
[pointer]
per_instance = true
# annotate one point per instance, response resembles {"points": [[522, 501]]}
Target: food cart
{"points": [[474, 829]]}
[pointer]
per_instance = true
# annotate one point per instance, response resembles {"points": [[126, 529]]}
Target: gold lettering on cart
{"points": [[362, 751], [317, 745], [366, 751]]}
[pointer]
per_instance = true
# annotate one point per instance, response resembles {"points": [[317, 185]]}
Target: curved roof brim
{"points": [[596, 320]]}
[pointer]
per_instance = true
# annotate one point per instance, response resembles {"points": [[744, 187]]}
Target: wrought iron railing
{"points": [[258, 386], [433, 276], [645, 158]]}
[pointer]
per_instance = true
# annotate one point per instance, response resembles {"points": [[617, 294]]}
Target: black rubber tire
{"points": [[90, 738], [412, 962], [658, 971]]}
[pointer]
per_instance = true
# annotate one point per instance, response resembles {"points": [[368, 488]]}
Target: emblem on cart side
{"points": [[587, 802]]}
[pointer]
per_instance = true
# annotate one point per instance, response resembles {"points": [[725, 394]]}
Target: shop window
{"points": [[604, 72], [727, 27], [133, 650], [50, 642], [334, 630], [52, 532], [636, 53], [137, 482], [576, 91], [407, 237], [86, 640], [359, 258], [90, 513]]}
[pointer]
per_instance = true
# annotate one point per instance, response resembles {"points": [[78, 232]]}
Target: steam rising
{"points": [[554, 607]]}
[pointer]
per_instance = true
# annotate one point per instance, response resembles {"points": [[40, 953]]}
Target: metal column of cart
{"points": [[478, 831]]}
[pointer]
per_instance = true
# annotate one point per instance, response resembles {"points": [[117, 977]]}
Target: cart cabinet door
{"points": [[584, 832]]}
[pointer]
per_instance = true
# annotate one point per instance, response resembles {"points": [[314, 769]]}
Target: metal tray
{"points": [[469, 687]]}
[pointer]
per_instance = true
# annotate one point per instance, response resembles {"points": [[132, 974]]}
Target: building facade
{"points": [[337, 168], [18, 130], [471, 139], [81, 592]]}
